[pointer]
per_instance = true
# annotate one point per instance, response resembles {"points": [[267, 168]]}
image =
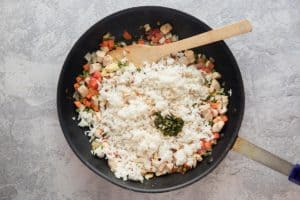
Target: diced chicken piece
{"points": [[197, 157], [100, 56], [95, 144], [112, 164], [174, 38], [147, 27], [112, 67], [100, 151], [107, 60], [215, 86], [105, 49], [170, 166], [95, 67], [180, 157], [217, 127], [214, 112], [166, 28], [169, 36], [189, 54], [162, 40], [149, 175], [224, 103], [216, 75], [87, 80], [83, 90], [207, 114], [183, 60]]}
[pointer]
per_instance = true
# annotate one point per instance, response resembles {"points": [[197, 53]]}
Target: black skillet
{"points": [[184, 25]]}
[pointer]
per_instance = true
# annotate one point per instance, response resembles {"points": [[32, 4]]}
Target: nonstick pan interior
{"points": [[184, 25]]}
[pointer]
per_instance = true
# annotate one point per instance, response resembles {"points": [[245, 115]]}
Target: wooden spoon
{"points": [[139, 53]]}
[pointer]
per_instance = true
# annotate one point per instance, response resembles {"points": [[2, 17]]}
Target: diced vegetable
{"points": [[141, 41], [93, 83], [216, 135], [77, 104], [127, 35], [97, 75], [95, 107], [78, 79], [207, 145], [86, 67], [91, 93], [168, 41], [86, 102], [76, 86], [214, 105], [108, 43]]}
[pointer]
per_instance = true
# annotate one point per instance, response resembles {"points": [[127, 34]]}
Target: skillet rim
{"points": [[123, 184]]}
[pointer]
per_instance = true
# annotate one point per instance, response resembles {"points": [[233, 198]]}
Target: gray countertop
{"points": [[35, 159]]}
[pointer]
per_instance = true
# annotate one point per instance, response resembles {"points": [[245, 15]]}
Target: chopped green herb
{"points": [[169, 125], [208, 153], [85, 74], [120, 64], [77, 110]]}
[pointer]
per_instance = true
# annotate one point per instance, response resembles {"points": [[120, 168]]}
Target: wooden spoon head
{"points": [[136, 54]]}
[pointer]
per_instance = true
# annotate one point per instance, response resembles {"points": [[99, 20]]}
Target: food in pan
{"points": [[150, 120]]}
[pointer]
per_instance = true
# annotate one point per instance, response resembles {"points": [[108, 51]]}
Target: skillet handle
{"points": [[268, 159]]}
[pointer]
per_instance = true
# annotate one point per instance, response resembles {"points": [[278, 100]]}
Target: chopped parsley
{"points": [[169, 125]]}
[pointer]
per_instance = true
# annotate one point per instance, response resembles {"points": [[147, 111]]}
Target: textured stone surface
{"points": [[37, 163]]}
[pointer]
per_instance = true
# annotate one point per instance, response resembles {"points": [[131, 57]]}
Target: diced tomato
{"points": [[93, 83], [97, 75], [111, 44], [91, 93], [214, 105], [155, 35], [186, 165], [127, 35], [168, 41], [86, 67], [77, 104], [201, 151], [216, 135], [95, 107], [76, 86], [86, 102], [104, 43], [141, 41], [207, 145], [108, 43], [205, 68]]}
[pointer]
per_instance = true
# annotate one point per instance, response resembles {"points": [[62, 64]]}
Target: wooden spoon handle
{"points": [[218, 34]]}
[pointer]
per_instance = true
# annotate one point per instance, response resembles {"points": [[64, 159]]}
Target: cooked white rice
{"points": [[123, 131]]}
